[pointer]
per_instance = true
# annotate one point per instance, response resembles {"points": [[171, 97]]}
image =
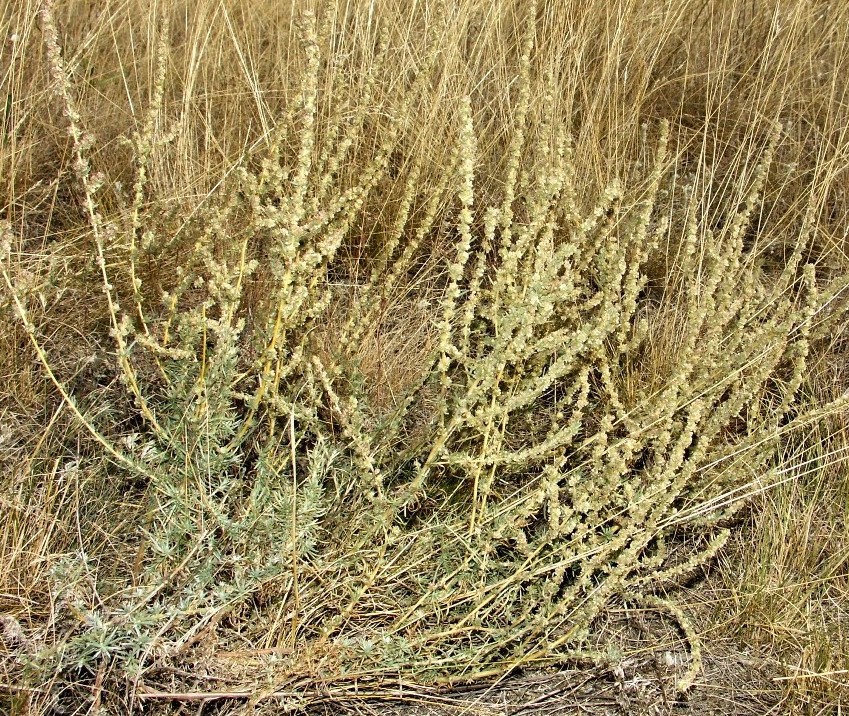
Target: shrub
{"points": [[571, 435]]}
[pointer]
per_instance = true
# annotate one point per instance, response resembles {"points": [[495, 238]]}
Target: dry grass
{"points": [[315, 475]]}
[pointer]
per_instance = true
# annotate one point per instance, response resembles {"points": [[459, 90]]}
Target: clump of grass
{"points": [[606, 369], [785, 578]]}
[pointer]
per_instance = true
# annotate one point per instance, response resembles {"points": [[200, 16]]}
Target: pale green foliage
{"points": [[539, 486]]}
